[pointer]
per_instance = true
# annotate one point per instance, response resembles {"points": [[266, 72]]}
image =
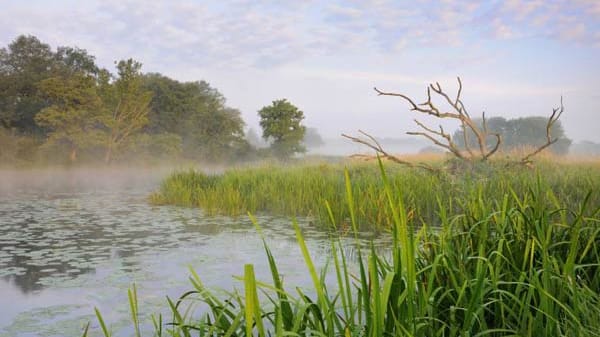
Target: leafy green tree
{"points": [[126, 106], [171, 105], [153, 147], [15, 149], [63, 98], [198, 114], [73, 116], [518, 133], [281, 123], [71, 60], [220, 134], [23, 65]]}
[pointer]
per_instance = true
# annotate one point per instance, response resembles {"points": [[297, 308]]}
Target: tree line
{"points": [[60, 106], [517, 134]]}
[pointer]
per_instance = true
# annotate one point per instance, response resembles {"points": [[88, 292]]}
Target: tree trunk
{"points": [[73, 156]]}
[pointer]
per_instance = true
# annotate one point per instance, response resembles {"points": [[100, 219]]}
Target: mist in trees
{"points": [[312, 138], [282, 126], [518, 133], [59, 106], [23, 65]]}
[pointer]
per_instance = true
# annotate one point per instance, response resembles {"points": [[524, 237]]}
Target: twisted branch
{"points": [[556, 113], [443, 139], [373, 144]]}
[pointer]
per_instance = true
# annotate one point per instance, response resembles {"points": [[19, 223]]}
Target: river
{"points": [[72, 240]]}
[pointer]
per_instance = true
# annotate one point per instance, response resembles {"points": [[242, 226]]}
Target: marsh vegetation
{"points": [[505, 253], [475, 241], [313, 190]]}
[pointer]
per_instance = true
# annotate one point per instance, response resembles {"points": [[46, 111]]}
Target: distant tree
{"points": [[281, 123], [464, 155], [23, 65], [254, 139], [126, 106], [312, 138], [518, 133], [71, 60], [73, 116], [16, 149], [153, 147], [197, 112], [219, 133], [172, 104], [63, 98]]}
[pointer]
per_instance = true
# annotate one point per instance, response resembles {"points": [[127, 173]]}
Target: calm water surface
{"points": [[74, 240]]}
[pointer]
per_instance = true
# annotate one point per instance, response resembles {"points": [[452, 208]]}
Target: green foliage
{"points": [[74, 111], [73, 117], [303, 190], [153, 147], [126, 106], [281, 123], [88, 113], [196, 112], [16, 150], [518, 133], [23, 65], [524, 265]]}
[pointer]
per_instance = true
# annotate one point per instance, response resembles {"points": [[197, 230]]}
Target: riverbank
{"points": [[517, 255], [316, 190]]}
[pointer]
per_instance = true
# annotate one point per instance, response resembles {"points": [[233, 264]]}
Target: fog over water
{"points": [[75, 239]]}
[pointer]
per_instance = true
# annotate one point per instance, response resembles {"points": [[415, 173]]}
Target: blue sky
{"points": [[515, 57]]}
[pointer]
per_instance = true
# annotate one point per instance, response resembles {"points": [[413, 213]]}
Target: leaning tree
{"points": [[467, 153]]}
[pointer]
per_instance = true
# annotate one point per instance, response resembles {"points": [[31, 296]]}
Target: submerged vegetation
{"points": [[512, 255]]}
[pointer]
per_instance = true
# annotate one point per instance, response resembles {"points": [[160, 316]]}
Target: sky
{"points": [[515, 57]]}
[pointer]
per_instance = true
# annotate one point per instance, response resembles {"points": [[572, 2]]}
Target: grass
{"points": [[523, 264], [305, 190]]}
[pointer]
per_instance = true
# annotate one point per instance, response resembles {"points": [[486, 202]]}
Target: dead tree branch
{"points": [[556, 113], [373, 144], [441, 138], [458, 112]]}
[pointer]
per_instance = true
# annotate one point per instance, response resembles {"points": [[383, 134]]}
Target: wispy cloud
{"points": [[265, 33], [526, 49]]}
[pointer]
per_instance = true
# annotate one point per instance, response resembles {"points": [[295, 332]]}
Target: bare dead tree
{"points": [[441, 138], [556, 113], [372, 143]]}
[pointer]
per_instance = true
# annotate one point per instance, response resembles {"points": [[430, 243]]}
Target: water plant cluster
{"points": [[307, 190], [523, 264]]}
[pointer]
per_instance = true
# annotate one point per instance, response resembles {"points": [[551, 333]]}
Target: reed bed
{"points": [[306, 190], [525, 264]]}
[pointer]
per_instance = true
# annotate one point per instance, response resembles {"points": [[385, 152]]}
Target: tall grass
{"points": [[306, 190], [522, 265]]}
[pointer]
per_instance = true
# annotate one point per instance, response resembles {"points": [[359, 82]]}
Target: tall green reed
{"points": [[523, 264], [304, 190]]}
